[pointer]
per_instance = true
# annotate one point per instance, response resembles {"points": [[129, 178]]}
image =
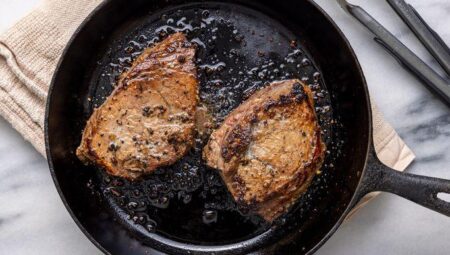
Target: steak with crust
{"points": [[148, 120], [269, 148]]}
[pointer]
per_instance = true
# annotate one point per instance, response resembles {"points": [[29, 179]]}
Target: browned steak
{"points": [[148, 120], [269, 148]]}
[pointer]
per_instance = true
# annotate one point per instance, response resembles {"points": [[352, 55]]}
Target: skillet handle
{"points": [[422, 190]]}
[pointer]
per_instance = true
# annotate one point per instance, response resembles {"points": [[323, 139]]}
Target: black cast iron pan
{"points": [[242, 45]]}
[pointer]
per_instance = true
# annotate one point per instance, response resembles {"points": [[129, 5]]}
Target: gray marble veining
{"points": [[33, 219]]}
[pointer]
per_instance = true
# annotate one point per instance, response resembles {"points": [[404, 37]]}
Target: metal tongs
{"points": [[429, 38]]}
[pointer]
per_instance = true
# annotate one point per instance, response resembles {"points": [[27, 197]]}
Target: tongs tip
{"points": [[409, 59], [345, 4]]}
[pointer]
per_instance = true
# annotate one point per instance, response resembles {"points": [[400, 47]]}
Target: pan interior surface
{"points": [[238, 51], [240, 48]]}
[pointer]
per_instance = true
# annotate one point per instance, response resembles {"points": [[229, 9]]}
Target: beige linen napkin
{"points": [[30, 50]]}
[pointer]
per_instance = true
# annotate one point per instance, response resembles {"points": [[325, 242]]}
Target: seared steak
{"points": [[148, 120], [269, 148]]}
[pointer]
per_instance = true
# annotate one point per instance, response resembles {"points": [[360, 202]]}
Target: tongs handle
{"points": [[430, 39], [413, 63]]}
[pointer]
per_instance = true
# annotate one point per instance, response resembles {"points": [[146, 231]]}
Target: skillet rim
{"points": [[356, 194], [75, 34], [355, 197]]}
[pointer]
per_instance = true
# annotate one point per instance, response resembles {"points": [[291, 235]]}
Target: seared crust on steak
{"points": [[269, 148], [148, 120]]}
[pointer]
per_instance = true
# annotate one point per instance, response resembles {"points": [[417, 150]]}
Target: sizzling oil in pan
{"points": [[239, 51]]}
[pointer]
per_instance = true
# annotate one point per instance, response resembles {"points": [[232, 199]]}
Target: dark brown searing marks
{"points": [[297, 93], [236, 142], [174, 139], [161, 109], [181, 59], [284, 100], [269, 104], [147, 111]]}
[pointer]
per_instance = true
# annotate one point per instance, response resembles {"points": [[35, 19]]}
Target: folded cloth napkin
{"points": [[30, 50]]}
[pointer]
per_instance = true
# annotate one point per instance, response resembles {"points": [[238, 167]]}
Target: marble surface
{"points": [[34, 221]]}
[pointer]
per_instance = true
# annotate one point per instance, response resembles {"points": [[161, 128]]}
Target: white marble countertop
{"points": [[33, 219]]}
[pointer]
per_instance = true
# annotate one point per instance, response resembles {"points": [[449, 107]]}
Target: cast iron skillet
{"points": [[283, 39]]}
